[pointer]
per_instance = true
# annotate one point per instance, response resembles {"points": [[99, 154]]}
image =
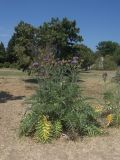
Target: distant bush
{"points": [[117, 56], [58, 105], [5, 65], [14, 65], [1, 65], [109, 63], [96, 65], [117, 76], [8, 65], [112, 104]]}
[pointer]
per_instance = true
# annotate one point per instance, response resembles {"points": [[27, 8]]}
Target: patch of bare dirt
{"points": [[13, 93]]}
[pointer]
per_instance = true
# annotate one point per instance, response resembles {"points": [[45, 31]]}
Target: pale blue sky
{"points": [[98, 20]]}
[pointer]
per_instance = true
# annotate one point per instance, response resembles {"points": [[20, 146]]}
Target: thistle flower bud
{"points": [[75, 58], [35, 64], [74, 62]]}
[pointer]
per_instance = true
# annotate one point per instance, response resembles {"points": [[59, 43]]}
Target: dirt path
{"points": [[12, 94]]}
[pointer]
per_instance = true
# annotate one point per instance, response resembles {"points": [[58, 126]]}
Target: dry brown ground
{"points": [[12, 92]]}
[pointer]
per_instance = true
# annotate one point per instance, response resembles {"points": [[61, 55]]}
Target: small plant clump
{"points": [[117, 76], [58, 106], [43, 129], [112, 105]]}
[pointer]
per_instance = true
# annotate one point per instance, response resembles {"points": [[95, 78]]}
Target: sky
{"points": [[98, 20]]}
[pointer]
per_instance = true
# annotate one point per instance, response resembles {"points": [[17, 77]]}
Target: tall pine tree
{"points": [[2, 53]]}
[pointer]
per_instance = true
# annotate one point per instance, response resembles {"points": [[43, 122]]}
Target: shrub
{"points": [[1, 65], [43, 129], [112, 104], [6, 65], [57, 129], [14, 65], [59, 99], [28, 124], [117, 76], [117, 56], [109, 63]]}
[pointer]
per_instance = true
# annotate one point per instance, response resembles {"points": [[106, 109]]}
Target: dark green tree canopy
{"points": [[20, 45], [60, 35], [11, 56], [107, 47], [117, 56], [2, 53], [86, 56]]}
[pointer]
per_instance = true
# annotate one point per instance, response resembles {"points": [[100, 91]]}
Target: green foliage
{"points": [[57, 129], [98, 65], [117, 76], [117, 56], [28, 124], [80, 119], [6, 65], [9, 65], [59, 99], [112, 104], [43, 130], [1, 65], [59, 37], [11, 56], [109, 63], [107, 47], [92, 130], [108, 95], [21, 46], [2, 53], [87, 57], [110, 51], [116, 120]]}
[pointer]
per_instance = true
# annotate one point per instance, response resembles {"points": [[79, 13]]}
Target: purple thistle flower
{"points": [[46, 58], [35, 64], [75, 58], [74, 61], [58, 59]]}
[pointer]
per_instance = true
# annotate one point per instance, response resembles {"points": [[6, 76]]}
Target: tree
{"points": [[21, 46], [117, 56], [11, 57], [86, 56], [60, 36], [2, 53], [109, 63], [107, 47]]}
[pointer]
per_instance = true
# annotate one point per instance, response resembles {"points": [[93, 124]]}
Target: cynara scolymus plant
{"points": [[58, 105]]}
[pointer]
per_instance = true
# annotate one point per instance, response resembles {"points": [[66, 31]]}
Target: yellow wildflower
{"points": [[98, 108], [108, 102], [109, 119]]}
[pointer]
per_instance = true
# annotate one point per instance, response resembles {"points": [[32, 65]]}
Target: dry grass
{"points": [[93, 85]]}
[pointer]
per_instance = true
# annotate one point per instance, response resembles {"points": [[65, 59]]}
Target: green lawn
{"points": [[11, 73]]}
